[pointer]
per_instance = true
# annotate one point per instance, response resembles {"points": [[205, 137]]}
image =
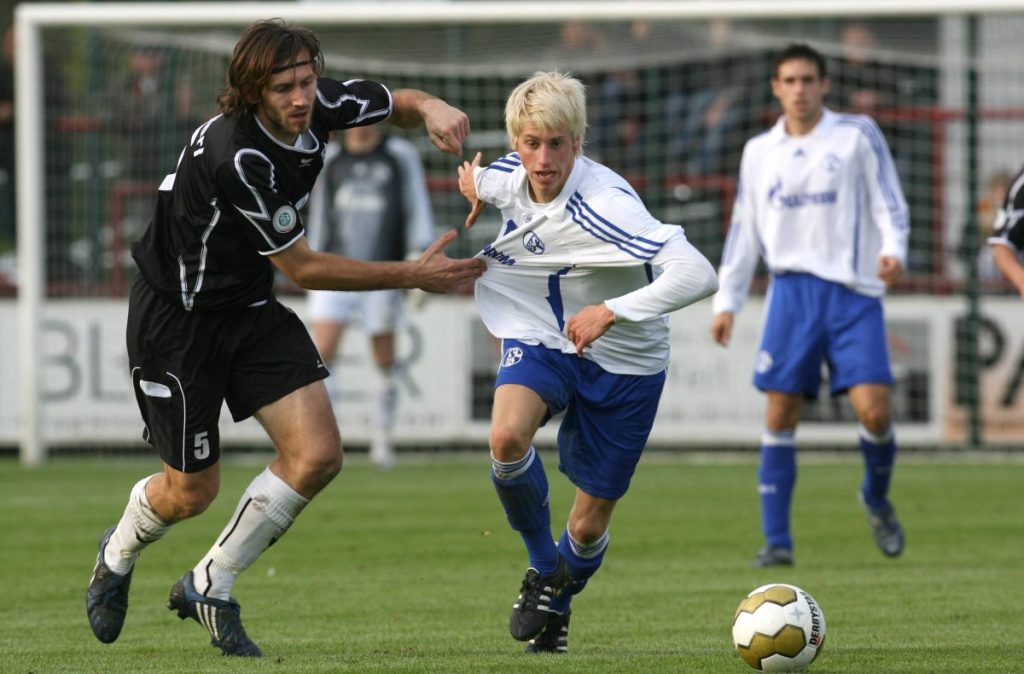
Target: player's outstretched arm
{"points": [[434, 271], [447, 126], [467, 185]]}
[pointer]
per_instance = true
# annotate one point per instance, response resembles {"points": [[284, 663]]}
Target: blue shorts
{"points": [[607, 416], [809, 320]]}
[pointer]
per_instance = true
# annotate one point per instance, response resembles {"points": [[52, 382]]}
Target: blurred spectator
{"points": [[577, 37], [7, 224], [151, 108], [866, 79], [617, 133], [55, 157], [863, 83], [860, 84], [617, 130], [708, 102]]}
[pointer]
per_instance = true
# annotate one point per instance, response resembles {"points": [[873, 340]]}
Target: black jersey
{"points": [[1009, 225], [234, 199]]}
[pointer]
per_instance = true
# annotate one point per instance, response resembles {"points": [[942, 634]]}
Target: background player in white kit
{"points": [[370, 203], [820, 200], [572, 292]]}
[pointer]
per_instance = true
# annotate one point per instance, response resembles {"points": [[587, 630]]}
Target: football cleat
{"points": [[554, 638], [106, 600], [222, 619], [885, 526], [530, 612], [773, 555]]}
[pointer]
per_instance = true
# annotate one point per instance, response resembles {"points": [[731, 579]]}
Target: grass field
{"points": [[415, 571]]}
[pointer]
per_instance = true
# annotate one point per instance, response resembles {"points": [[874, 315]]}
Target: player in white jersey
{"points": [[578, 284], [1007, 240], [819, 199]]}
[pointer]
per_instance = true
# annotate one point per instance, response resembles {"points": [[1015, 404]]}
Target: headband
{"points": [[281, 69]]}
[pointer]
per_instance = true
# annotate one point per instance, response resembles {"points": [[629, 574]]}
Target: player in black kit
{"points": [[204, 326]]}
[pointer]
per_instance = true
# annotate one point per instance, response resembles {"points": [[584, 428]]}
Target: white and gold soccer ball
{"points": [[778, 628]]}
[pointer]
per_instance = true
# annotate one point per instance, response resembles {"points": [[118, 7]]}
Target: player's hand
{"points": [[467, 185], [591, 322], [721, 327], [447, 126], [435, 272], [889, 270]]}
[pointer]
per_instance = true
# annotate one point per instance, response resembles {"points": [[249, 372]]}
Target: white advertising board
{"points": [[449, 362]]}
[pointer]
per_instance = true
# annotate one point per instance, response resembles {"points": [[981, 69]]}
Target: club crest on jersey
{"points": [[512, 356], [832, 162], [533, 243], [285, 219]]}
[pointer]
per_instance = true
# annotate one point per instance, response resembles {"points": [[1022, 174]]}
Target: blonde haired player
{"points": [[579, 281]]}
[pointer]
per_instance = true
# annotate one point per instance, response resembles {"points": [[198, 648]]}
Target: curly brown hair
{"points": [[264, 49]]}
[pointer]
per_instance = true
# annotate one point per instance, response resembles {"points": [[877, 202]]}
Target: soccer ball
{"points": [[778, 628]]}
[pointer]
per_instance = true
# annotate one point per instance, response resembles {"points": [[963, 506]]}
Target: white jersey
{"points": [[594, 243], [828, 203]]}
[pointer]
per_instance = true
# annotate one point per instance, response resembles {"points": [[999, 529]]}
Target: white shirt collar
{"points": [[827, 121]]}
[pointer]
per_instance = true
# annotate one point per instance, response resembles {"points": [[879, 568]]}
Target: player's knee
{"points": [[876, 419], [320, 466], [193, 500], [508, 445], [587, 530]]}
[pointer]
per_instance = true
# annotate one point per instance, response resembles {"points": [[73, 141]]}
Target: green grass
{"points": [[415, 571]]}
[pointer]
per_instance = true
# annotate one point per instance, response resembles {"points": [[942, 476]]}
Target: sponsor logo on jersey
{"points": [[533, 243], [495, 254], [285, 219], [783, 202], [512, 356], [763, 363]]}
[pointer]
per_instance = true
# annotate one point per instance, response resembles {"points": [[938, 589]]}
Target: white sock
{"points": [[588, 551], [387, 403], [266, 510], [139, 526]]}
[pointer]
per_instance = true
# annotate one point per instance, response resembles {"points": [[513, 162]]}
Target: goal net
{"points": [[675, 89]]}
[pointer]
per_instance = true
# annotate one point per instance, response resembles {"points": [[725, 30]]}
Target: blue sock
{"points": [[583, 562], [522, 488], [776, 478], [879, 456]]}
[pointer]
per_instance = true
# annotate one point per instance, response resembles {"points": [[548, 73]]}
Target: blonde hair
{"points": [[551, 101]]}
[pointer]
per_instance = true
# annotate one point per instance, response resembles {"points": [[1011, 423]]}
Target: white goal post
{"points": [[33, 18]]}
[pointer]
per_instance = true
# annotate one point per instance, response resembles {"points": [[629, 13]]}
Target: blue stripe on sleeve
{"points": [[600, 228], [886, 174], [610, 228], [506, 163]]}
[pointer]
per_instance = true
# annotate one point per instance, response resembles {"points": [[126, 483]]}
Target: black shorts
{"points": [[185, 365]]}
